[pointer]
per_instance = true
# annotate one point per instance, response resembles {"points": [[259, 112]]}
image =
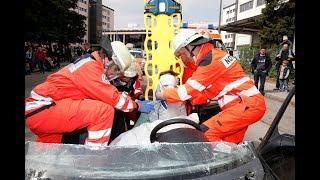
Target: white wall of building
{"points": [[242, 39], [228, 16], [254, 11], [107, 19]]}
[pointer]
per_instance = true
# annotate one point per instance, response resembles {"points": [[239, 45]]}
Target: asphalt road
{"points": [[286, 125]]}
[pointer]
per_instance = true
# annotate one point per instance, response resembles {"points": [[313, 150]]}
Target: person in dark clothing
{"points": [[28, 57], [285, 40], [284, 76], [261, 65], [68, 54], [286, 55], [87, 49], [79, 51]]}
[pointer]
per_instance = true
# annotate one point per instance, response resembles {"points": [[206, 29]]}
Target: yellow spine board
{"points": [[160, 31]]}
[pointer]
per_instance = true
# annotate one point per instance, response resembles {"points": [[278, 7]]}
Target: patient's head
{"points": [[167, 79]]}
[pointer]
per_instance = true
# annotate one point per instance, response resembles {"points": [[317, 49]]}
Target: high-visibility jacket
{"points": [[220, 77], [188, 71], [83, 79]]}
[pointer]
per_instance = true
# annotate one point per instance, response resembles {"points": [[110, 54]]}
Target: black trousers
{"points": [[41, 66], [260, 75]]}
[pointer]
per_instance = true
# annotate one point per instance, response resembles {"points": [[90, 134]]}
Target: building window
{"points": [[246, 6], [85, 10], [108, 18], [227, 12], [108, 26], [108, 12], [260, 2]]}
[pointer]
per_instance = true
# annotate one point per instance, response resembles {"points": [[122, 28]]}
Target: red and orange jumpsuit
{"points": [[220, 77], [83, 97], [137, 90]]}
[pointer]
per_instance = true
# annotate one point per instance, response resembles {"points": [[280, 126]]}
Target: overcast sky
{"points": [[131, 11]]}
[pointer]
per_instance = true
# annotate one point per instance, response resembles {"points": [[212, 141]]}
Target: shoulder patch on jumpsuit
{"points": [[227, 60], [207, 59]]}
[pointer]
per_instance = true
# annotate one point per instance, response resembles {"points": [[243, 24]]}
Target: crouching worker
{"points": [[80, 96], [127, 82], [163, 111], [218, 77]]}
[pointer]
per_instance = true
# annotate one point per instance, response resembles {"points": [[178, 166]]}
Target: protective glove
{"points": [[141, 98], [145, 106]]}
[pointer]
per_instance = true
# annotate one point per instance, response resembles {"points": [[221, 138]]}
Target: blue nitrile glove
{"points": [[145, 106], [141, 98]]}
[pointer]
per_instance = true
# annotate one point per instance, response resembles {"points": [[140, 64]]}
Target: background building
{"points": [[95, 21], [99, 18], [83, 9], [249, 8], [243, 25], [228, 16], [107, 18]]}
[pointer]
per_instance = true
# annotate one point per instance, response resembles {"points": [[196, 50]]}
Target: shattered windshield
{"points": [[60, 161]]}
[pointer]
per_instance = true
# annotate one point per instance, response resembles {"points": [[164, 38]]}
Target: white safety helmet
{"points": [[121, 55], [168, 80], [132, 69], [183, 38]]}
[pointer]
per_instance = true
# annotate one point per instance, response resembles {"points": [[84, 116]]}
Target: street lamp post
{"points": [[220, 16]]}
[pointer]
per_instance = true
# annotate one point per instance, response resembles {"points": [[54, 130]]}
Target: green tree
{"points": [[278, 19], [53, 21]]}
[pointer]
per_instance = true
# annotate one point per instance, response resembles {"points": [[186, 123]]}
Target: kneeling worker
{"points": [[218, 76], [80, 95]]}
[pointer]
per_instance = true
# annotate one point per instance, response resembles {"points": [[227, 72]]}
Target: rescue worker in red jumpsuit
{"points": [[218, 76], [80, 95]]}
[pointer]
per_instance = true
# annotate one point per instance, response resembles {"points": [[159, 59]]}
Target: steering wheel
{"points": [[154, 131]]}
